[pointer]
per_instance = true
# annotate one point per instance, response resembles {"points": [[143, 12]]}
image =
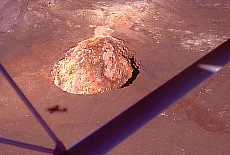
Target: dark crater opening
{"points": [[135, 72]]}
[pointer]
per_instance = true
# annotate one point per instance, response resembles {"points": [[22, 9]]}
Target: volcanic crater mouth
{"points": [[96, 65]]}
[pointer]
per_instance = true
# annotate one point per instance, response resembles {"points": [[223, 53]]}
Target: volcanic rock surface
{"points": [[95, 65]]}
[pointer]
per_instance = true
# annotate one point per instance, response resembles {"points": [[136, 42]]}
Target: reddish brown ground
{"points": [[166, 36]]}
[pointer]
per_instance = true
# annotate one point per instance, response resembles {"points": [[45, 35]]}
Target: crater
{"points": [[96, 65]]}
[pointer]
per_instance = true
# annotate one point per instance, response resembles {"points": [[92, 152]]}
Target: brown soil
{"points": [[167, 36]]}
